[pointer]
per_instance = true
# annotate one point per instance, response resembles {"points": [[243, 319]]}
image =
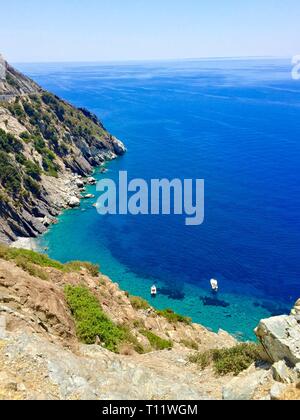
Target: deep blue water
{"points": [[234, 123]]}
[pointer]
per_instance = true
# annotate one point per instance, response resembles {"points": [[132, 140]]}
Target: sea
{"points": [[234, 123]]}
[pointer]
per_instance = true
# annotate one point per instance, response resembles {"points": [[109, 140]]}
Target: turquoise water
{"points": [[234, 123]]}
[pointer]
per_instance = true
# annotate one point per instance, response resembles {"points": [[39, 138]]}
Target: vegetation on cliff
{"points": [[91, 322], [233, 360], [42, 136], [31, 261]]}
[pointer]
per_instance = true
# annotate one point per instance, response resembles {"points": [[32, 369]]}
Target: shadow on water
{"points": [[274, 309], [209, 301]]}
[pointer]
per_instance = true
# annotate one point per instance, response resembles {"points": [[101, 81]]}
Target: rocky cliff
{"points": [[45, 144], [68, 332]]}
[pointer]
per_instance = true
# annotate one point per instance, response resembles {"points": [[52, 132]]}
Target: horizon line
{"points": [[149, 60]]}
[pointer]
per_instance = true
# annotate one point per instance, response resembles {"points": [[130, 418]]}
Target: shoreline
{"points": [[25, 243]]}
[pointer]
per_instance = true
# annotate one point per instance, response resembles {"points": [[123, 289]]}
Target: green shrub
{"points": [[30, 111], [33, 170], [91, 322], [10, 177], [43, 260], [171, 316], [190, 344], [32, 186], [31, 256], [9, 143], [233, 360], [17, 110], [11, 80], [130, 339], [25, 136], [93, 269], [39, 145], [30, 268], [138, 303], [157, 342], [201, 359], [50, 167]]}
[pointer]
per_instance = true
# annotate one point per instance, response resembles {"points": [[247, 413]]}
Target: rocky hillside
{"points": [[44, 143], [68, 332]]}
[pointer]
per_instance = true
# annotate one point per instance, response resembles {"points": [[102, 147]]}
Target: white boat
{"points": [[153, 290], [214, 285]]}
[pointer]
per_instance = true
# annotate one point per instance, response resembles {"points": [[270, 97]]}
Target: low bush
{"points": [[91, 322], [9, 143], [171, 316], [190, 344], [93, 269], [157, 342], [30, 268], [10, 177], [138, 303], [40, 260], [233, 360], [32, 186], [33, 170]]}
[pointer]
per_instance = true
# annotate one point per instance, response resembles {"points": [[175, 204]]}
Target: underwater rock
{"points": [[172, 293], [208, 301]]}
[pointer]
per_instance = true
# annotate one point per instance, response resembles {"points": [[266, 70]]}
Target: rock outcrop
{"points": [[280, 336], [44, 142], [247, 385]]}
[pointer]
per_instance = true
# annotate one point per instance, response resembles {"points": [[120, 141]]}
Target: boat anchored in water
{"points": [[214, 285], [153, 291]]}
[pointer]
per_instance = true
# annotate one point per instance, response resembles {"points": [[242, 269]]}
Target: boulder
{"points": [[282, 373], [74, 202], [79, 183], [280, 337], [119, 147], [91, 180], [296, 309], [243, 387]]}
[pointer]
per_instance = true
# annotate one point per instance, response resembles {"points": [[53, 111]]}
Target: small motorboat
{"points": [[214, 285], [153, 291]]}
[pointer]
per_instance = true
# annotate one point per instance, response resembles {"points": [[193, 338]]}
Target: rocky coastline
{"points": [[48, 151]]}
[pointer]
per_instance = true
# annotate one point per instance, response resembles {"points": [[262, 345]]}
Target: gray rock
{"points": [[91, 180], [297, 370], [243, 388], [296, 309], [119, 147], [280, 337], [74, 202], [79, 183], [282, 373], [277, 390], [2, 327]]}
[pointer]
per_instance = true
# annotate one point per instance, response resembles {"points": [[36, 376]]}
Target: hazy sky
{"points": [[96, 30]]}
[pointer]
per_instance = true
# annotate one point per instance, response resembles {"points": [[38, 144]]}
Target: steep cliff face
{"points": [[44, 141]]}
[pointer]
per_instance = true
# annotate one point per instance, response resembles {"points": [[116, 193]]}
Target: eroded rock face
{"points": [[280, 336]]}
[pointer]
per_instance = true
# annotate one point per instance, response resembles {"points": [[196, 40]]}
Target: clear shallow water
{"points": [[234, 123]]}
